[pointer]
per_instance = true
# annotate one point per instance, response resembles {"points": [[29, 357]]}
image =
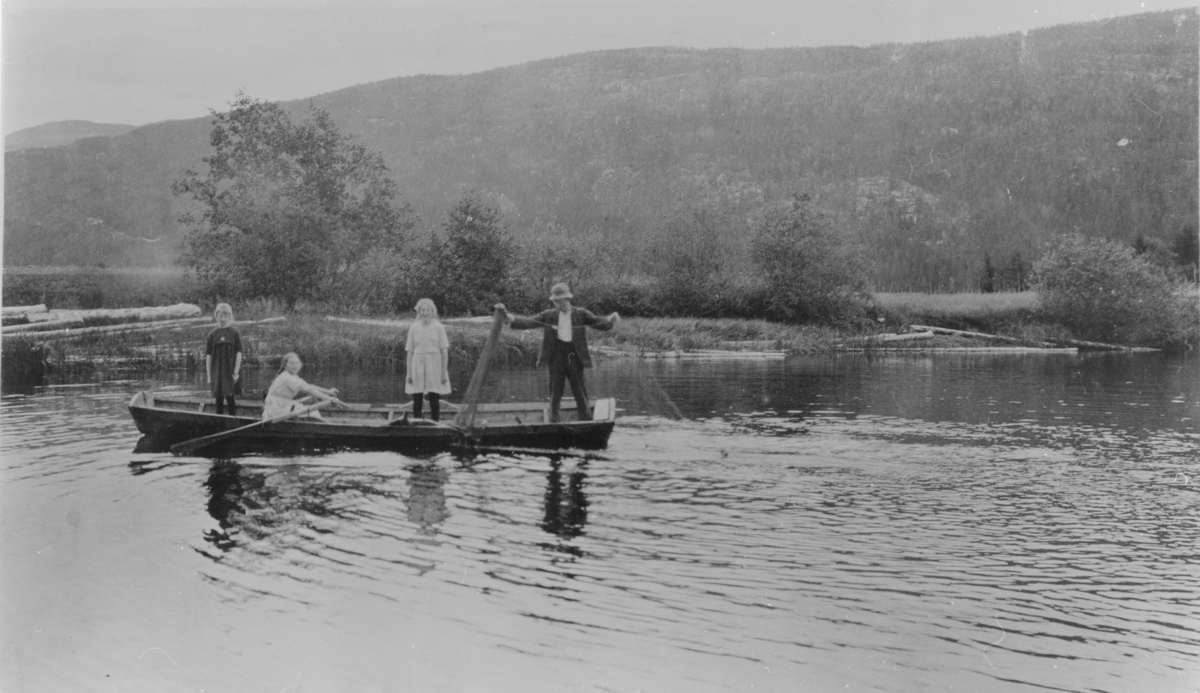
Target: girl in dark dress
{"points": [[223, 359]]}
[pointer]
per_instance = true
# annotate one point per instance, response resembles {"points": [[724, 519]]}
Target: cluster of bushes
{"points": [[793, 268], [1106, 291]]}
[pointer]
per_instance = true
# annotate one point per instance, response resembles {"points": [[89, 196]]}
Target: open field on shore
{"points": [[959, 305], [976, 310]]}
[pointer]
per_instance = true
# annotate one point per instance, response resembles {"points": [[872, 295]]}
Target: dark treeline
{"points": [[939, 160]]}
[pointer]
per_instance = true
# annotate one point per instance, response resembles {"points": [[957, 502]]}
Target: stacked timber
{"points": [[22, 311], [984, 335], [690, 354], [66, 324], [888, 338], [177, 311], [1061, 344]]}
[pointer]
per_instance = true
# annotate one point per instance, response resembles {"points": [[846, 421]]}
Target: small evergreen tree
{"points": [[1014, 275], [987, 282], [1186, 245]]}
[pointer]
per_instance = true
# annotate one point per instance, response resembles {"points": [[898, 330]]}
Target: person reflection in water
{"points": [[565, 505], [225, 492], [427, 497]]}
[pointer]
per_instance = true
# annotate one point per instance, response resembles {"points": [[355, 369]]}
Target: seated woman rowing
{"points": [[288, 385]]}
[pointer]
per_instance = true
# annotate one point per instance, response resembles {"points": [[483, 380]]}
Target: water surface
{"points": [[973, 523]]}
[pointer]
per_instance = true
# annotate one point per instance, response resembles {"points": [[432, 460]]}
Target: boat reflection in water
{"points": [[264, 507]]}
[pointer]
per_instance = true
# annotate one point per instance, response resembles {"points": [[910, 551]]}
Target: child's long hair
{"points": [[426, 302]]}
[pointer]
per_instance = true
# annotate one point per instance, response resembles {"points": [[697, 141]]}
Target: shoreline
{"points": [[332, 341]]}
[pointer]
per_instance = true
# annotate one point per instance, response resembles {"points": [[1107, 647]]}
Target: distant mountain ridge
{"points": [[61, 132], [932, 155]]}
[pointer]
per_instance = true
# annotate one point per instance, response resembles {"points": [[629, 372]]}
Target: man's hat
{"points": [[560, 291]]}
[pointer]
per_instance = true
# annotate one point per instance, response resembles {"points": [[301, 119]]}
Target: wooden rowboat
{"points": [[168, 418]]}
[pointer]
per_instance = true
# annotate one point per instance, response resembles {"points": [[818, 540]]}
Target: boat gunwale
{"points": [[371, 427]]}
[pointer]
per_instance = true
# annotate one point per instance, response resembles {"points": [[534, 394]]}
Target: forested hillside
{"points": [[61, 132], [933, 155]]}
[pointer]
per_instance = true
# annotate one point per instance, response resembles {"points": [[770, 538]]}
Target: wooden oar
{"points": [[466, 412], [194, 443]]}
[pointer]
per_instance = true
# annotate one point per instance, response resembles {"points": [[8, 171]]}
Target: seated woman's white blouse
{"points": [[281, 398]]}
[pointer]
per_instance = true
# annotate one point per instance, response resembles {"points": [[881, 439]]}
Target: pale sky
{"points": [[142, 61]]}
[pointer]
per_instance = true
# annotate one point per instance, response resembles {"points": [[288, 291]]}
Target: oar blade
{"points": [[204, 441]]}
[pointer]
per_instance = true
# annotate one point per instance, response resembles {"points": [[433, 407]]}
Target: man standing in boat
{"points": [[564, 346]]}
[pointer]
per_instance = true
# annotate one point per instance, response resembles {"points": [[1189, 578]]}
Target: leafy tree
{"points": [[810, 273], [688, 257], [547, 256], [288, 208], [1100, 289], [473, 261]]}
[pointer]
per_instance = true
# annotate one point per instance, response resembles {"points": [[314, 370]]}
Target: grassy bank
{"points": [[320, 342], [326, 343], [1012, 314]]}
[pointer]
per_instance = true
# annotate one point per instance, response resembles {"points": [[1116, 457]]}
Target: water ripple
{"points": [[831, 544]]}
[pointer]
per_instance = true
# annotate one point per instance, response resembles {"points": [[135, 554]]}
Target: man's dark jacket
{"points": [[548, 321]]}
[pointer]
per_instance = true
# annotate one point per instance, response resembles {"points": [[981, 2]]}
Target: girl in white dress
{"points": [[288, 385], [428, 360]]}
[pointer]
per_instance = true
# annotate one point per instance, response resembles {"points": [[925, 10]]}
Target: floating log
{"points": [[1099, 346], [980, 350], [477, 320], [47, 325], [984, 335], [134, 327], [481, 321], [886, 338], [237, 323], [398, 324], [179, 310], [695, 354], [11, 311], [126, 327], [757, 345]]}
